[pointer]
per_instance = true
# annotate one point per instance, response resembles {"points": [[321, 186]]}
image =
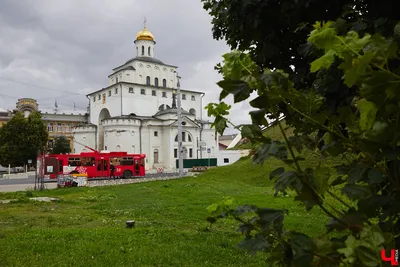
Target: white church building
{"points": [[137, 112]]}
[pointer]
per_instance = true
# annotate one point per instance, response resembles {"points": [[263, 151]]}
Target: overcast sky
{"points": [[72, 46]]}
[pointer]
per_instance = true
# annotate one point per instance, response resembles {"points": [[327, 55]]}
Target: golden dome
{"points": [[145, 35]]}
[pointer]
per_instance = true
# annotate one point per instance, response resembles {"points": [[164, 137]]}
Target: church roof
{"points": [[146, 59], [132, 116], [172, 111], [126, 68], [63, 112]]}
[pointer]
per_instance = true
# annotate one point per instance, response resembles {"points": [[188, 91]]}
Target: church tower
{"points": [[145, 43]]}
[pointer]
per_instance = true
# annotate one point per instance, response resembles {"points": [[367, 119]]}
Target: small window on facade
{"points": [[50, 127], [190, 153], [175, 153], [104, 98], [148, 80], [183, 137], [116, 90], [148, 51], [143, 91], [131, 90], [142, 50], [67, 128], [164, 94], [59, 127], [98, 97], [155, 133], [193, 98], [154, 93], [156, 82], [94, 99], [109, 93], [116, 79], [189, 138], [183, 96], [164, 83], [226, 160]]}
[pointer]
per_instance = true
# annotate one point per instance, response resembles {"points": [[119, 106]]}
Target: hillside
{"points": [[171, 229]]}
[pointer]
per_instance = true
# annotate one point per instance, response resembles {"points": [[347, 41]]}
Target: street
{"points": [[9, 185]]}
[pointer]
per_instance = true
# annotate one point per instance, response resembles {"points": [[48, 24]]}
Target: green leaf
{"points": [[375, 176], [368, 257], [258, 117], [356, 173], [303, 247], [240, 89], [321, 176], [355, 192], [323, 62], [368, 112], [212, 208], [276, 172]]}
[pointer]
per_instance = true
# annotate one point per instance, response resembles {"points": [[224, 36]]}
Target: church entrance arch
{"points": [[104, 114]]}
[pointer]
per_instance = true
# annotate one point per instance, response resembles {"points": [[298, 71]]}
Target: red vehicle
{"points": [[95, 164]]}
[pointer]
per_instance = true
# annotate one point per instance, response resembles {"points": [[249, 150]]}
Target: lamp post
{"points": [[179, 113]]}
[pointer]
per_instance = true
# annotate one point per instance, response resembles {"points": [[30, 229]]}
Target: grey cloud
{"points": [[73, 46]]}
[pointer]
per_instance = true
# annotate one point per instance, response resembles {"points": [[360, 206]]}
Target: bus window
{"points": [[127, 161], [88, 161], [73, 162]]}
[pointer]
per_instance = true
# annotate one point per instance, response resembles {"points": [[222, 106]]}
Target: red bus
{"points": [[95, 164]]}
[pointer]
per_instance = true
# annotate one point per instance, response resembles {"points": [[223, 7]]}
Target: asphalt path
{"points": [[29, 180]]}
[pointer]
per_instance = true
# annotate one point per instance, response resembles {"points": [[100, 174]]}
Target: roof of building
{"points": [[133, 116], [227, 137], [63, 112], [172, 111]]}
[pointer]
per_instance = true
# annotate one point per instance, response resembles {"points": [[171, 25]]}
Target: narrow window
{"points": [[148, 50], [116, 90], [59, 128], [143, 91], [94, 99], [155, 155], [116, 79], [148, 80], [164, 83], [109, 93], [190, 153], [142, 50], [193, 98], [155, 133], [154, 93], [98, 97], [183, 96], [164, 94], [131, 90], [175, 153], [156, 82], [183, 137]]}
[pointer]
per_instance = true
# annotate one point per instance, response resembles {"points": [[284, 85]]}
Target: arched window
{"points": [[192, 111], [142, 50], [156, 82], [161, 107], [164, 83], [148, 80], [118, 148], [186, 137], [148, 50], [155, 155]]}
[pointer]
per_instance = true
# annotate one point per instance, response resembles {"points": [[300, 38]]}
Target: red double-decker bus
{"points": [[95, 164]]}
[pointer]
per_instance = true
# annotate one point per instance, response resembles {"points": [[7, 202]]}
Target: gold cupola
{"points": [[145, 35]]}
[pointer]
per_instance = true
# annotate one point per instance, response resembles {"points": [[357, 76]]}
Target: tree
{"points": [[343, 101], [22, 139], [61, 145]]}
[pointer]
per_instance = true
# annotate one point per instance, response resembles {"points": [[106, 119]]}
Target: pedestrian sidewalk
{"points": [[24, 187]]}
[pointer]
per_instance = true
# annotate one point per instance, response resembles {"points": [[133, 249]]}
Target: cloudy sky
{"points": [[70, 47]]}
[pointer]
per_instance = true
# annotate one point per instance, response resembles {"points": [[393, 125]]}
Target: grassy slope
{"points": [[87, 227]]}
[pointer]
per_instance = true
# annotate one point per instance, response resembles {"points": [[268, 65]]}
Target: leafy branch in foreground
{"points": [[365, 133]]}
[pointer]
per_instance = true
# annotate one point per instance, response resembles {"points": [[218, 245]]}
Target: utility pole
{"points": [[179, 113]]}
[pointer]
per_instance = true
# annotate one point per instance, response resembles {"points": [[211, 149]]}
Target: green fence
{"points": [[189, 163]]}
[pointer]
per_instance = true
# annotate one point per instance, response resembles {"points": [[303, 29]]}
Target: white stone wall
{"points": [[85, 135], [230, 156], [146, 44]]}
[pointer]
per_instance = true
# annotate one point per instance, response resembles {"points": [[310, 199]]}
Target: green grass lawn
{"points": [[87, 226]]}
